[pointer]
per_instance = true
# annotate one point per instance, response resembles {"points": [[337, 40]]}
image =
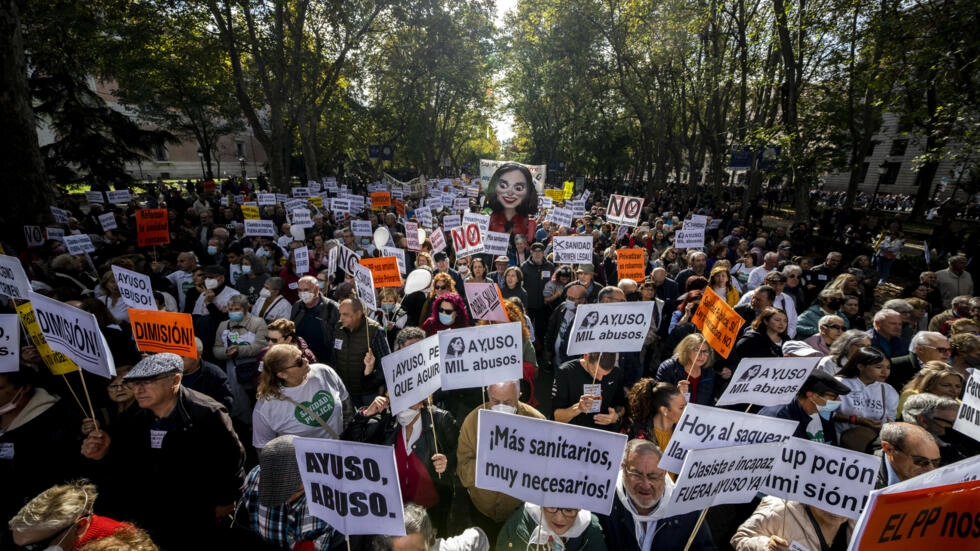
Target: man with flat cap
{"points": [[813, 408], [175, 465]]}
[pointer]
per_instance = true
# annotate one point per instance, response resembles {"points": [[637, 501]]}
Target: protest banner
{"points": [[556, 195], [569, 189], [135, 288], [380, 200], [365, 289], [56, 234], [489, 166], [9, 343], [58, 363], [361, 228], [451, 221], [79, 244], [267, 199], [95, 197], [573, 249], [384, 271], [496, 243], [108, 221], [60, 215], [467, 240], [701, 427], [152, 227], [624, 210], [351, 486], [159, 331], [766, 381], [485, 301], [720, 476], [630, 265], [347, 259], [689, 238], [437, 239], [301, 218], [561, 217], [968, 417], [250, 213], [412, 373], [399, 255], [301, 257], [13, 279], [34, 236], [121, 196], [718, 322], [75, 333], [612, 327], [831, 478], [260, 228], [479, 356], [548, 463]]}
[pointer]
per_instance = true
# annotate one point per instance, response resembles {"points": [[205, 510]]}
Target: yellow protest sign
{"points": [[718, 322], [569, 190], [58, 363], [250, 212], [317, 201], [555, 194]]}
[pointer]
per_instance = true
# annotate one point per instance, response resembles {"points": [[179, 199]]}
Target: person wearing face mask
{"points": [[214, 299], [237, 343], [271, 305], [392, 317], [560, 325], [813, 408], [315, 317], [489, 509], [252, 278], [828, 304], [290, 276], [448, 312]]}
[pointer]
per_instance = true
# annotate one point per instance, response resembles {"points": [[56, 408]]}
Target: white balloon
{"points": [[298, 233], [381, 237], [417, 280], [421, 236]]}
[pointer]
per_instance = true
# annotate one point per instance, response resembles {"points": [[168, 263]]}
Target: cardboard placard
{"points": [[718, 322], [573, 249], [412, 373], [159, 331], [480, 356], [630, 265], [135, 288], [75, 333], [152, 227], [384, 271], [611, 327], [9, 343], [767, 381]]}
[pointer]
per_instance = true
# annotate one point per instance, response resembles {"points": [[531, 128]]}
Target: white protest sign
{"points": [[624, 210], [282, 198], [412, 373], [79, 244], [75, 333], [495, 242], [548, 463], [95, 197], [714, 224], [120, 196], [108, 221], [260, 228], [340, 208], [267, 199], [612, 327], [585, 194], [13, 278], [412, 236], [545, 202], [57, 234], [485, 301], [9, 343], [347, 259], [767, 381], [292, 204], [301, 218], [831, 478], [689, 238], [399, 255], [365, 288], [438, 240], [301, 192], [424, 216], [573, 250], [481, 220], [301, 256], [462, 203], [135, 288], [451, 221], [467, 240], [562, 217], [696, 221], [968, 418], [353, 487], [34, 236], [701, 427], [719, 476], [361, 228], [479, 356], [577, 207], [60, 215]]}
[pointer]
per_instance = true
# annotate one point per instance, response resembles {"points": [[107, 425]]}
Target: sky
{"points": [[502, 121]]}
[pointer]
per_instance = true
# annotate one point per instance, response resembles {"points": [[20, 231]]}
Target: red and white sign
{"points": [[624, 210], [467, 240]]}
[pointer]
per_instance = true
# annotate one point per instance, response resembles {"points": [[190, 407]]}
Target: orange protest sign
{"points": [[152, 227], [399, 207], [159, 331], [718, 322], [380, 199], [384, 270], [927, 518], [629, 264]]}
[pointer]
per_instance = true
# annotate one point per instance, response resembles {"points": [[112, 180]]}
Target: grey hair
{"points": [[407, 334], [896, 434], [275, 282], [641, 446], [827, 320], [56, 508], [627, 282], [842, 346], [898, 304], [62, 261], [606, 291], [512, 382], [417, 521], [920, 338], [258, 267], [885, 313], [792, 269], [956, 258], [239, 300], [925, 403], [955, 302]]}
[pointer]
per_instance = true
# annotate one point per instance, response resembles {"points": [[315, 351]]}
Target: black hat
{"points": [[440, 256], [821, 382], [537, 246]]}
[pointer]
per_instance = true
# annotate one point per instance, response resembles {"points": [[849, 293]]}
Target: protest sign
{"points": [[365, 289], [714, 224], [58, 363], [630, 265], [545, 203], [13, 279], [9, 343], [696, 221], [301, 192], [612, 327], [556, 195], [573, 250], [292, 204], [384, 271], [481, 220], [267, 199], [561, 217], [79, 244], [451, 221], [461, 204], [624, 210], [489, 166], [119, 196], [412, 373], [766, 381], [412, 236], [152, 227], [437, 239], [301, 218], [75, 333], [399, 255], [485, 301], [356, 203], [95, 197], [361, 228], [260, 228], [56, 234], [479, 356], [135, 288], [380, 200], [424, 216], [108, 221], [569, 189], [353, 487], [467, 240], [577, 208], [159, 331], [831, 478], [718, 322], [689, 238], [548, 463], [301, 256], [250, 213], [347, 259], [968, 418], [496, 243], [60, 215], [340, 208], [34, 236], [719, 476], [701, 427]]}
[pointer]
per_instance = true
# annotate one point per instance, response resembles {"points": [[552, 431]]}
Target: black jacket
{"points": [[534, 282], [671, 533]]}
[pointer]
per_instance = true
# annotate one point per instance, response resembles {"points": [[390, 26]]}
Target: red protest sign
{"points": [[380, 199], [152, 227]]}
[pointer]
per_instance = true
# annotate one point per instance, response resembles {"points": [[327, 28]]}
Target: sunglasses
{"points": [[940, 349], [447, 312], [920, 461], [440, 287]]}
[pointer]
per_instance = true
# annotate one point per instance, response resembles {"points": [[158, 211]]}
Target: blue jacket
{"points": [[794, 411], [671, 371], [671, 532]]}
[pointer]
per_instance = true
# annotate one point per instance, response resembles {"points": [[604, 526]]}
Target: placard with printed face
{"points": [[479, 356], [686, 238], [766, 381], [611, 327]]}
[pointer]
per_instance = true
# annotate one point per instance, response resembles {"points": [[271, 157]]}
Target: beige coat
{"points": [[786, 519]]}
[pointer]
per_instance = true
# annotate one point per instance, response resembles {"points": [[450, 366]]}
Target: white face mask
{"points": [[504, 408], [265, 293], [406, 417], [12, 404], [210, 283], [306, 296]]}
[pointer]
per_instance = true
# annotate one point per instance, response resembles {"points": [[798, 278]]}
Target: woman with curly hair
{"points": [[447, 312], [442, 283], [654, 408]]}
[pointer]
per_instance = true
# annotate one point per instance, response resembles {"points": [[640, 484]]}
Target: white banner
{"points": [[119, 197], [108, 221], [611, 327], [9, 343], [573, 250], [766, 381], [301, 256], [75, 333], [412, 373], [260, 228], [479, 356], [365, 289], [562, 217], [13, 279], [548, 463], [361, 228], [353, 487], [135, 288], [577, 207], [79, 244], [701, 427], [301, 192], [689, 238], [461, 204], [968, 418], [545, 202], [719, 476], [834, 479], [496, 243]]}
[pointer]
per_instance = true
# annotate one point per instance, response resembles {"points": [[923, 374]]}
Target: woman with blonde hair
{"points": [[934, 377], [113, 297], [690, 369], [720, 281]]}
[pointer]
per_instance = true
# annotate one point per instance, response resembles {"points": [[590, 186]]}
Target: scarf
{"points": [[542, 533], [644, 533]]}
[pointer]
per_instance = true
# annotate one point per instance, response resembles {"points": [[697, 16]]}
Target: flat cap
{"points": [[155, 365]]}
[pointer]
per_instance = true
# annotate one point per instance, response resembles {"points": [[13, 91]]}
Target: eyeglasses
{"points": [[940, 420], [565, 512], [143, 383], [299, 363], [920, 461], [837, 327], [651, 478], [439, 287], [446, 311], [940, 349]]}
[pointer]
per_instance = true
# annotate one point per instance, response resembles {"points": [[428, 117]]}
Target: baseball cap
{"points": [[537, 246]]}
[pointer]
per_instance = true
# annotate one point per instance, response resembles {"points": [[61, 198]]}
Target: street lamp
{"points": [[241, 161], [200, 156], [882, 171]]}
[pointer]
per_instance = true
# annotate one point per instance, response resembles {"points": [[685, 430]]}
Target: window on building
{"points": [[898, 147], [160, 153], [239, 149], [891, 177]]}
